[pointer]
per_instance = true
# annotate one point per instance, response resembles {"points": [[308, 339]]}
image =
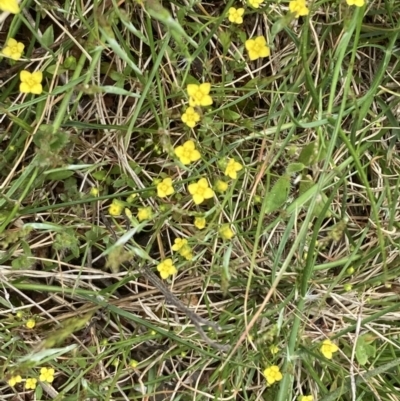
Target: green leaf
{"points": [[59, 175], [364, 349], [225, 40], [295, 168], [278, 194], [48, 37]]}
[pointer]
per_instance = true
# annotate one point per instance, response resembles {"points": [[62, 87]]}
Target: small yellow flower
{"points": [[272, 374], [30, 324], [274, 349], [221, 186], [306, 398], [186, 252], [255, 3], [166, 268], [299, 8], [225, 232], [179, 243], [13, 49], [232, 168], [235, 15], [190, 117], [357, 3], [144, 213], [31, 82], [257, 48], [10, 6], [187, 153], [200, 222], [46, 375], [200, 191], [94, 191], [14, 380], [328, 348], [116, 208], [20, 314], [165, 188], [199, 95], [133, 364], [30, 384]]}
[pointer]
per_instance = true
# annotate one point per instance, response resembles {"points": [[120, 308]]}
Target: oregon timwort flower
{"points": [[13, 380], [31, 82], [116, 207], [226, 232], [235, 15], [200, 191], [357, 3], [200, 222], [46, 375], [221, 186], [187, 153], [328, 348], [306, 398], [144, 213], [10, 6], [199, 95], [257, 48], [232, 167], [190, 117], [165, 188], [272, 374], [30, 384], [298, 8], [255, 3], [166, 268], [13, 49], [179, 243], [30, 323]]}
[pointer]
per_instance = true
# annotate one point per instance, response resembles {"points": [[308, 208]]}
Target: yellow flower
{"points": [[46, 375], [31, 82], [190, 117], [133, 364], [116, 208], [200, 222], [225, 232], [272, 374], [328, 348], [299, 8], [235, 15], [306, 398], [274, 349], [10, 6], [94, 191], [165, 188], [221, 186], [14, 380], [179, 243], [166, 268], [144, 213], [13, 49], [257, 48], [357, 3], [200, 191], [187, 153], [30, 384], [30, 324], [255, 3], [199, 95], [186, 252], [232, 168]]}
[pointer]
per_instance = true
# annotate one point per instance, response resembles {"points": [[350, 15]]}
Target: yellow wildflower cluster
{"points": [[46, 375], [144, 213], [255, 3], [190, 117], [183, 248], [306, 398], [232, 168], [272, 374], [226, 232], [199, 95], [30, 323]]}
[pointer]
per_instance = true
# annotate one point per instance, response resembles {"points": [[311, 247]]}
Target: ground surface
{"points": [[302, 246]]}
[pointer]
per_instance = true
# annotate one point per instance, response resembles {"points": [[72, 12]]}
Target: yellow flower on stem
{"points": [[46, 375], [187, 153], [221, 186], [186, 252], [255, 3], [200, 222], [30, 323], [144, 213], [272, 374], [232, 168], [306, 398], [357, 3], [165, 188], [226, 232], [328, 348], [30, 384], [116, 208], [13, 49], [13, 380], [190, 117], [10, 6], [298, 8], [199, 95], [257, 48], [31, 82], [200, 191], [235, 15], [166, 268], [179, 243]]}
